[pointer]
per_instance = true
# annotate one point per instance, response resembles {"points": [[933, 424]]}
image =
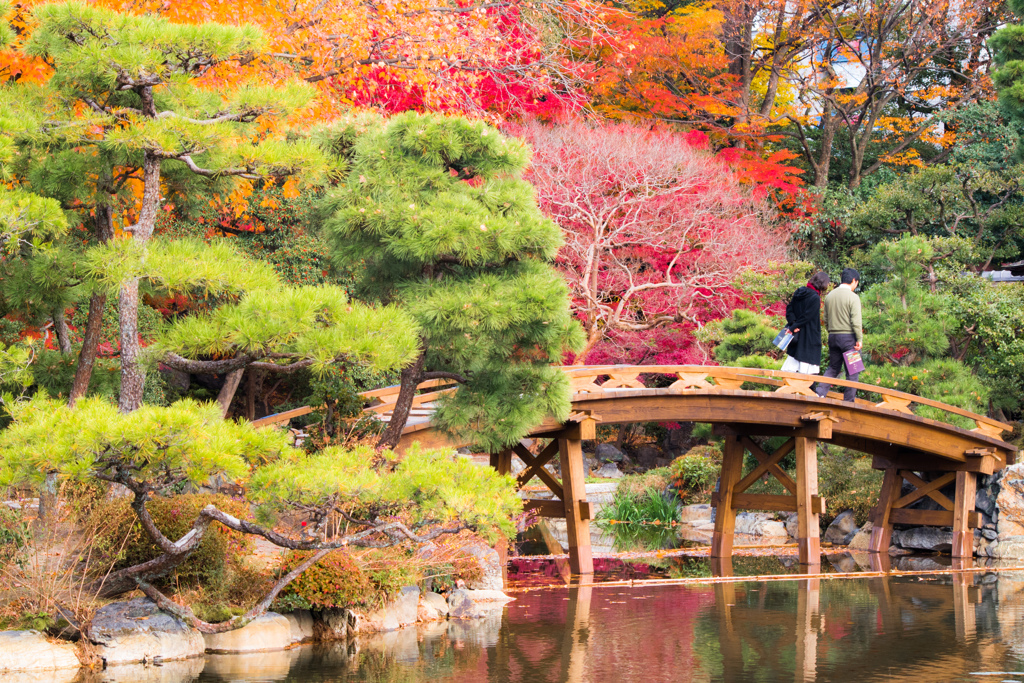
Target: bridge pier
{"points": [[571, 493], [958, 513], [803, 490]]}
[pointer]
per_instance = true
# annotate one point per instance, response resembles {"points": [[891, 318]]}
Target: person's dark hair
{"points": [[820, 280], [849, 275]]}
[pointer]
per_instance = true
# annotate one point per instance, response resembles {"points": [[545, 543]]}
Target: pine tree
{"points": [[145, 88], [435, 216], [904, 322]]}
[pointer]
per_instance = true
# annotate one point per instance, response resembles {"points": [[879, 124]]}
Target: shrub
{"points": [[126, 544], [694, 474], [342, 580], [14, 534], [846, 482]]}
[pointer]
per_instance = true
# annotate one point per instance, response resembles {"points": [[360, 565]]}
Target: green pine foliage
{"points": [[434, 215], [745, 339], [293, 324], [1007, 46], [904, 322]]}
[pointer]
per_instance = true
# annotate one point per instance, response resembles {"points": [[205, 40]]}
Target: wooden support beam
{"points": [[929, 488], [963, 536], [725, 512], [766, 501], [823, 419], [981, 464], [808, 542], [555, 508], [932, 518], [881, 530], [502, 462], [570, 451]]}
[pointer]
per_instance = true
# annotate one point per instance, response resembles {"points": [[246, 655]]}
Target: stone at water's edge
{"points": [[174, 671], [842, 529], [467, 604], [862, 539], [437, 601], [695, 514], [391, 617], [301, 623], [30, 651], [269, 632], [332, 624], [138, 631], [930, 538], [759, 524]]}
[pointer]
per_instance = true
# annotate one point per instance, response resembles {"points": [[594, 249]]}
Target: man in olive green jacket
{"points": [[842, 319]]}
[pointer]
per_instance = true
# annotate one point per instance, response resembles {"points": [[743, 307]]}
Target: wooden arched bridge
{"points": [[928, 454]]}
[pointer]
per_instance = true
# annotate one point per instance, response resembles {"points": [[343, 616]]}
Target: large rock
{"points": [[862, 539], [28, 651], [301, 624], [138, 631], [842, 529], [391, 617], [695, 514], [436, 601], [924, 538], [489, 561], [332, 624], [269, 632], [759, 524], [607, 452], [647, 456], [609, 471], [467, 604]]}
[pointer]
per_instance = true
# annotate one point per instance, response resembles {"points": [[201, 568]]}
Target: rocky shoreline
{"points": [[137, 632]]}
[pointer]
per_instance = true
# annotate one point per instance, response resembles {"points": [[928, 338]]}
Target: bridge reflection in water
{"points": [[888, 627]]}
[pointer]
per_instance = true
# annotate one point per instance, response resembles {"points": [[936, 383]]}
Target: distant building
{"points": [[1012, 272]]}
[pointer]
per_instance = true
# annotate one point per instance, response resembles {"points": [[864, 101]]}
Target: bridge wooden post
{"points": [[574, 496], [881, 516], [963, 504], [808, 542], [725, 511]]}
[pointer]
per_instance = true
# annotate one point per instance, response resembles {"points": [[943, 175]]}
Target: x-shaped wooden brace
{"points": [[535, 466], [768, 463], [926, 488]]}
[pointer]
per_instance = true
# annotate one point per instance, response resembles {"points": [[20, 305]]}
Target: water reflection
{"points": [[940, 627]]}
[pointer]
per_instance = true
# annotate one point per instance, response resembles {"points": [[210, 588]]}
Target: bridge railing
{"points": [[598, 379], [704, 378]]}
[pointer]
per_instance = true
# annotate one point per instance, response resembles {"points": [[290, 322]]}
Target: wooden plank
{"points": [[932, 517], [930, 489], [767, 464], [282, 417], [577, 526], [725, 512], [555, 508], [808, 543], [768, 501], [963, 537], [881, 530]]}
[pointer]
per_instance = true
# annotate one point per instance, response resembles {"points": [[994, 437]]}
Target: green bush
{"points": [[694, 474], [846, 482], [126, 544], [14, 534]]}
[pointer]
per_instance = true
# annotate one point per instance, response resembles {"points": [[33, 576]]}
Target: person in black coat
{"points": [[803, 318]]}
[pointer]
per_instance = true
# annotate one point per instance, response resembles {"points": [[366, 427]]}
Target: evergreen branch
{"points": [[438, 374], [246, 116], [212, 366], [208, 173]]}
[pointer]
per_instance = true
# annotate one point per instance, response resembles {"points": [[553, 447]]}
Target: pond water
{"points": [[942, 626]]}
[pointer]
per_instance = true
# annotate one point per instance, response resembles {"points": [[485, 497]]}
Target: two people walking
{"points": [[842, 319]]}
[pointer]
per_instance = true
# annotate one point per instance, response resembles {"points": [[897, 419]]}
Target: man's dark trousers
{"points": [[838, 344]]}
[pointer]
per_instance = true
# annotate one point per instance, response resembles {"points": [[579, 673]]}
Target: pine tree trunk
{"points": [[60, 328], [104, 222], [227, 392], [411, 377], [133, 375]]}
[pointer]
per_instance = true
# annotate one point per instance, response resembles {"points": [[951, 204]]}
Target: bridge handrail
{"points": [[689, 377], [791, 383]]}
